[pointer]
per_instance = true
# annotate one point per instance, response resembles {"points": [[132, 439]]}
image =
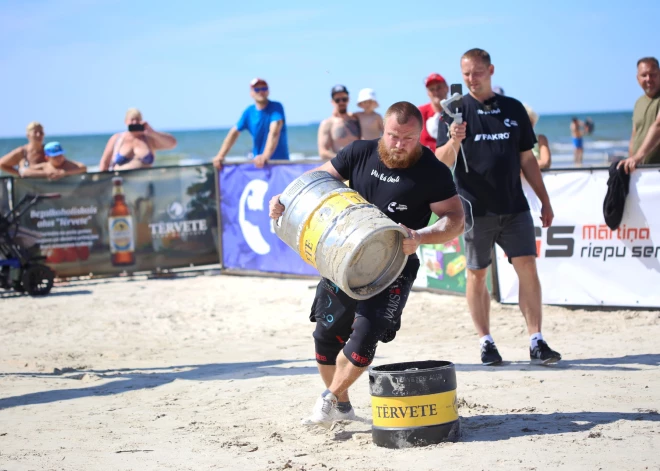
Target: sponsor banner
{"points": [[249, 241], [443, 266], [5, 195], [580, 260], [131, 221]]}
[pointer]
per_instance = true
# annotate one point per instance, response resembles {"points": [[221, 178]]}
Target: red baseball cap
{"points": [[434, 78], [257, 80]]}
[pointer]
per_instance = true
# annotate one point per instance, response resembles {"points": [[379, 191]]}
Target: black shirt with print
{"points": [[403, 194], [498, 130]]}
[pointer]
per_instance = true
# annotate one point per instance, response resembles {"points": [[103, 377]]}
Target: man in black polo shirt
{"points": [[407, 183], [497, 140]]}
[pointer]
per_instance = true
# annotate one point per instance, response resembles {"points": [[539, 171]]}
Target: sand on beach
{"points": [[215, 372]]}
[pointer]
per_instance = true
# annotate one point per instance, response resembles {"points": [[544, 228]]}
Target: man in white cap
{"points": [[265, 121], [371, 122]]}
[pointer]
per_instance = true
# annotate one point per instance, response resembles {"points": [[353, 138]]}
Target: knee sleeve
{"points": [[327, 350], [361, 347]]}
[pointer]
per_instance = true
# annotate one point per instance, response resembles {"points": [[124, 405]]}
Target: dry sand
{"points": [[216, 371]]}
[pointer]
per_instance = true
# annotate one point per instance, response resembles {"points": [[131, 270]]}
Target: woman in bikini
{"points": [[136, 147], [18, 162]]}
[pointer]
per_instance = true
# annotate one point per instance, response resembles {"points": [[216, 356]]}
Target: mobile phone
{"points": [[136, 127], [458, 104], [456, 88]]}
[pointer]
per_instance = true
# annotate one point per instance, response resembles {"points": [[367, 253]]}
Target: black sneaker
{"points": [[543, 354], [489, 354]]}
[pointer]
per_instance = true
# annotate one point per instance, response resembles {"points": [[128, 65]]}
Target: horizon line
{"points": [[299, 124]]}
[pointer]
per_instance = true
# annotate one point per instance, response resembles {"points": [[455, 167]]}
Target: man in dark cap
{"points": [[341, 128]]}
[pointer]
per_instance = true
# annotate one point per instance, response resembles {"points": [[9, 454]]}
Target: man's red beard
{"points": [[398, 160]]}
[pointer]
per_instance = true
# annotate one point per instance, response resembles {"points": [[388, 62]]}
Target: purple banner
{"points": [[248, 240]]}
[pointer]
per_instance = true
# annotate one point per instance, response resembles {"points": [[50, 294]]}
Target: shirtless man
{"points": [[371, 123], [340, 129], [577, 133]]}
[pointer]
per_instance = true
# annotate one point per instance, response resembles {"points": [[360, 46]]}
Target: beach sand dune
{"points": [[216, 371]]}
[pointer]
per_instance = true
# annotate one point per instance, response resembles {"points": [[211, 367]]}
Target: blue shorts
{"points": [[577, 142]]}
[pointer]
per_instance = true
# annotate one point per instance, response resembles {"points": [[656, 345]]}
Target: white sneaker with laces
{"points": [[323, 413], [350, 415]]}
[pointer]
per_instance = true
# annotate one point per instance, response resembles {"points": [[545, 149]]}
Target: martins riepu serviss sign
{"points": [[580, 260]]}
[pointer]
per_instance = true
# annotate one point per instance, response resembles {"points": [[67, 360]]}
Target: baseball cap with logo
{"points": [[338, 89], [434, 78], [257, 80], [53, 149]]}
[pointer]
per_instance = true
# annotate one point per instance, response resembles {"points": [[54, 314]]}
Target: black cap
{"points": [[338, 89]]}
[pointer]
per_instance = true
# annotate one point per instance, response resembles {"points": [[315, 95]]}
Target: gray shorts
{"points": [[514, 233]]}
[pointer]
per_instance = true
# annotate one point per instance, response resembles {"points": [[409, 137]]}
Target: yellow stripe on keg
{"points": [[414, 411], [329, 208]]}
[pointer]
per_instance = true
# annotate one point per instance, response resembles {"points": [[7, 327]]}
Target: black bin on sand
{"points": [[414, 404]]}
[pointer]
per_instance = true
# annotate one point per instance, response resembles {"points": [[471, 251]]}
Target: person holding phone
{"points": [[135, 147], [496, 139]]}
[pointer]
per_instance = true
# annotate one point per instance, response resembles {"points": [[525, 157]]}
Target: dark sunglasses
{"points": [[341, 100], [260, 89]]}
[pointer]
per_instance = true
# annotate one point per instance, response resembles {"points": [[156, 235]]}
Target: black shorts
{"points": [[335, 312], [514, 233]]}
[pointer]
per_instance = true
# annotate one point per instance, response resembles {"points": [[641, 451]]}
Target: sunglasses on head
{"points": [[260, 89], [343, 99]]}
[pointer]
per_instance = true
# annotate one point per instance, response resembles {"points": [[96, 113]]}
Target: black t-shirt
{"points": [[497, 132], [403, 194]]}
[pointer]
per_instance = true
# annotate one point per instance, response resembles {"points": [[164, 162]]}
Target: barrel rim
{"points": [[375, 370], [354, 292]]}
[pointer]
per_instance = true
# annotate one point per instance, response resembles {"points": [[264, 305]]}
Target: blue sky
{"points": [[77, 65]]}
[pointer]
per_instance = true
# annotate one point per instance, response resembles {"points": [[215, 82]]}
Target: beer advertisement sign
{"points": [[107, 223]]}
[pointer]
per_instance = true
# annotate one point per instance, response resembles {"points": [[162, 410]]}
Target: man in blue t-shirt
{"points": [[265, 122]]}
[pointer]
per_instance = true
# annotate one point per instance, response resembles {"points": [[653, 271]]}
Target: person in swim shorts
{"points": [[577, 131]]}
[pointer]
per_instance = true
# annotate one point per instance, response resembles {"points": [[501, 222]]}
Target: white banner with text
{"points": [[580, 260]]}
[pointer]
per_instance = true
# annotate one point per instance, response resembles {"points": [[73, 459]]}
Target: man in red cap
{"points": [[437, 89]]}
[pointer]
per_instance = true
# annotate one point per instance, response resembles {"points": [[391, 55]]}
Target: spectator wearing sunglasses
{"points": [[56, 165], [340, 129], [266, 124]]}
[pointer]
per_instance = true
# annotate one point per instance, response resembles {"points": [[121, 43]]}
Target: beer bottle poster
{"points": [[107, 223]]}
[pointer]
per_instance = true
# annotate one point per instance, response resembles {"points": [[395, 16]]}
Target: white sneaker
{"points": [[350, 415], [323, 413]]}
